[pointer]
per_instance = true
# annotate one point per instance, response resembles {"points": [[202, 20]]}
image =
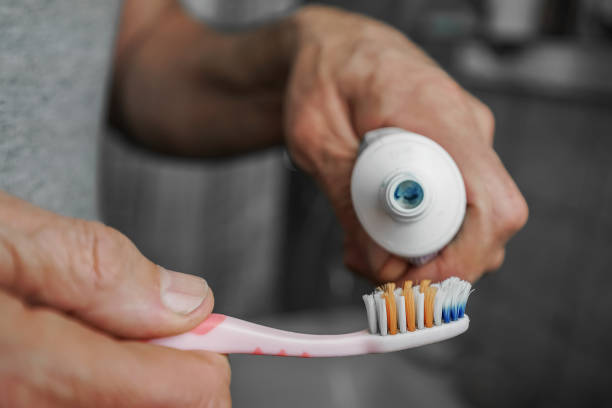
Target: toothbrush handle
{"points": [[226, 334]]}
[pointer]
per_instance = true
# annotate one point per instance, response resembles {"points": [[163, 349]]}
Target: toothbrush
{"points": [[398, 319]]}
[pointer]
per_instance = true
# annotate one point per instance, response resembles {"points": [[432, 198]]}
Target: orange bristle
{"points": [[424, 285], [391, 308], [430, 295], [410, 312], [407, 287]]}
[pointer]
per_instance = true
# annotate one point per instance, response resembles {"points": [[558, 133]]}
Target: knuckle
{"points": [[438, 94], [515, 213], [83, 257], [218, 373], [497, 260], [98, 250], [223, 369], [442, 88], [302, 141], [448, 264], [316, 148], [301, 158], [386, 67], [486, 118]]}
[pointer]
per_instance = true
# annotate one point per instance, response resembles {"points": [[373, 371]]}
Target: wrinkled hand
{"points": [[69, 289], [351, 74]]}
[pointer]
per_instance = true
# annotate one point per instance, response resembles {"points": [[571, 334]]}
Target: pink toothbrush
{"points": [[439, 318], [225, 334]]}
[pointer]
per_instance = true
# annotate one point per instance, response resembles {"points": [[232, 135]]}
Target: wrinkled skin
{"points": [[342, 85], [74, 295]]}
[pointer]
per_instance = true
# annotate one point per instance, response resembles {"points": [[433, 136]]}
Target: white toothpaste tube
{"points": [[408, 193]]}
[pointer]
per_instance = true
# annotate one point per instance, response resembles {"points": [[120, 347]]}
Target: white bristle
{"points": [[420, 310], [400, 301], [371, 312], [466, 293], [449, 304], [438, 303], [382, 314], [456, 294], [447, 300]]}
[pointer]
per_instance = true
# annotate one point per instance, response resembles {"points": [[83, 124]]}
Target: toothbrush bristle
{"points": [[381, 313], [391, 308], [424, 285], [420, 310], [430, 295], [416, 307], [410, 311]]}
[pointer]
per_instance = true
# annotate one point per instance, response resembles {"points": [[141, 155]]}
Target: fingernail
{"points": [[180, 292]]}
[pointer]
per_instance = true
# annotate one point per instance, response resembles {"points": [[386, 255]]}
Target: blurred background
{"points": [[541, 329]]}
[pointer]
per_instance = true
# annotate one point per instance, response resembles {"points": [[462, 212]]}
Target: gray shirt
{"points": [[54, 64]]}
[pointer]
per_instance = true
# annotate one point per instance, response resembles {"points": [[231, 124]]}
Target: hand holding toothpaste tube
{"points": [[318, 80], [342, 86]]}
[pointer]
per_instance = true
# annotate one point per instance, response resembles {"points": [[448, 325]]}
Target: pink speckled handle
{"points": [[225, 334]]}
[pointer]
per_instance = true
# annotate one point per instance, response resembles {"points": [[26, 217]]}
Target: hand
{"points": [[72, 295], [351, 74], [340, 75]]}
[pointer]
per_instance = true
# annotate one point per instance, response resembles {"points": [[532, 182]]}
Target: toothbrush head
{"points": [[411, 308]]}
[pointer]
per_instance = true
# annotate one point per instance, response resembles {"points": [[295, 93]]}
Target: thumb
{"points": [[97, 274]]}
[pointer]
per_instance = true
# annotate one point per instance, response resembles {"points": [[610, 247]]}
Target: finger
{"points": [[51, 360], [98, 275], [362, 255], [496, 260], [392, 269], [490, 221], [468, 256], [484, 119]]}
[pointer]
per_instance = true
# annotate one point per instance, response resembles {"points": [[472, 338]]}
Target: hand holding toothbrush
{"points": [[76, 298]]}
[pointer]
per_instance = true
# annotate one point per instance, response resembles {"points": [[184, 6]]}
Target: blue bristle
{"points": [[446, 315], [461, 310], [454, 312]]}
